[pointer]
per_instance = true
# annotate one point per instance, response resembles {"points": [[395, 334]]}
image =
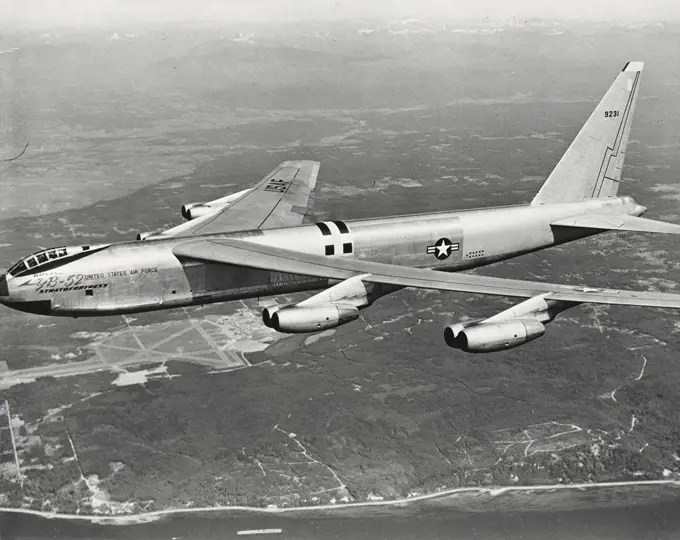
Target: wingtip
{"points": [[633, 66]]}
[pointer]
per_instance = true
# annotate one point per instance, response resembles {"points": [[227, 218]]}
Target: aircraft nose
{"points": [[4, 290]]}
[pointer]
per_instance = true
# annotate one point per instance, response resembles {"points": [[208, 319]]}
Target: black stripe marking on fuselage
{"points": [[341, 227], [324, 229]]}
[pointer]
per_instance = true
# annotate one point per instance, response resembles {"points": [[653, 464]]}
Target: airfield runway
{"points": [[206, 341]]}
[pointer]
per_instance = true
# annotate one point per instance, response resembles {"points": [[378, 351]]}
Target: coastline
{"points": [[147, 517]]}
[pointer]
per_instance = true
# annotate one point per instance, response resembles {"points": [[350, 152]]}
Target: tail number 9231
{"points": [[611, 114]]}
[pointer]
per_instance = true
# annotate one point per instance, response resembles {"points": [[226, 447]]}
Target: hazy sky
{"points": [[50, 13]]}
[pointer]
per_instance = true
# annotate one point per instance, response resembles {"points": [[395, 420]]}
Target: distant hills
{"points": [[343, 64]]}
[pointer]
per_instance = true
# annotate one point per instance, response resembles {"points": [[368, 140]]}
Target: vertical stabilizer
{"points": [[591, 166]]}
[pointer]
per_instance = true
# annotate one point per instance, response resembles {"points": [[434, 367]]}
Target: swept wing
{"points": [[244, 253], [280, 199]]}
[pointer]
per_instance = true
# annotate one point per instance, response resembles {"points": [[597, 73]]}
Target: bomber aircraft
{"points": [[254, 243]]}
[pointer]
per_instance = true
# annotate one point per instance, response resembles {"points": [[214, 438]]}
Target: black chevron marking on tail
{"points": [[612, 152]]}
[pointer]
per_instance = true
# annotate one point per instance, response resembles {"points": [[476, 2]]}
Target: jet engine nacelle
{"points": [[302, 319], [187, 207], [268, 313], [195, 210], [200, 210], [490, 337], [143, 235], [452, 331]]}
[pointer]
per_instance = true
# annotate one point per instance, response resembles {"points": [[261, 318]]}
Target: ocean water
{"points": [[622, 512]]}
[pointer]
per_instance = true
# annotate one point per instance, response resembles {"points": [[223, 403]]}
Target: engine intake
{"points": [[187, 207], [267, 314], [490, 337], [200, 210], [303, 319]]}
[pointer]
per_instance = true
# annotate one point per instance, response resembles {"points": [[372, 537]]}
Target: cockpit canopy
{"points": [[49, 258]]}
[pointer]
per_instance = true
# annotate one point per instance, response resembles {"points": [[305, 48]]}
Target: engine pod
{"points": [[452, 331], [200, 211], [495, 337], [302, 319], [187, 207]]}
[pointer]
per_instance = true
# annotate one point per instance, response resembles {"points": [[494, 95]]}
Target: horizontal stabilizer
{"points": [[617, 222]]}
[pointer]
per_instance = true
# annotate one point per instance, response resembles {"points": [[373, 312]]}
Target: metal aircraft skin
{"points": [[254, 244]]}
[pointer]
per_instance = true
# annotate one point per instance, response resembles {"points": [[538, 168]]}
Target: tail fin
{"points": [[591, 166]]}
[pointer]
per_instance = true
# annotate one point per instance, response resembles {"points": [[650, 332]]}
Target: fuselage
{"points": [[145, 275]]}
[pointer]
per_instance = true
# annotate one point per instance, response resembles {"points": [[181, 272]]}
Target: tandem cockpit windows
{"points": [[50, 258]]}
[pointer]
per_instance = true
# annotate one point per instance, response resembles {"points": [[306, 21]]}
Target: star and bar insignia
{"points": [[443, 248]]}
